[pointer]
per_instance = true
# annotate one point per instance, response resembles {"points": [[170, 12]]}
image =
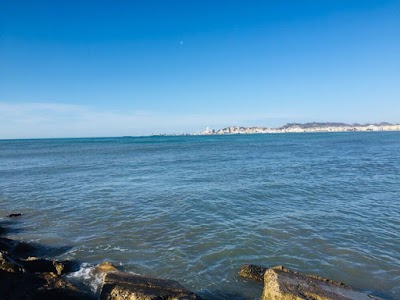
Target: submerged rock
{"points": [[281, 283], [14, 215], [121, 286]]}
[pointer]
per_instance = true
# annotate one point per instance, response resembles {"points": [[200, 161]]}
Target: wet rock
{"points": [[40, 265], [5, 244], [283, 284], [121, 286], [8, 264], [57, 288], [25, 277], [104, 268], [252, 272], [2, 230], [65, 266], [14, 215], [23, 286], [23, 250]]}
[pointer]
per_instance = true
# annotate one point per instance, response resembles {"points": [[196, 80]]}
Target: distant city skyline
{"points": [[102, 68]]}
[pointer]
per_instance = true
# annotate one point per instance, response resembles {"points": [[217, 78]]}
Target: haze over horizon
{"points": [[102, 68]]}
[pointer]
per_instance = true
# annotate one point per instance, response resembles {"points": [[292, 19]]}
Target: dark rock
{"points": [[57, 288], [2, 230], [23, 277], [40, 265], [5, 244], [65, 266], [24, 250], [283, 284], [14, 215], [121, 286], [8, 264], [252, 272], [24, 286]]}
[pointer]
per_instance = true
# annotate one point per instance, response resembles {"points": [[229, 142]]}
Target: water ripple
{"points": [[195, 208]]}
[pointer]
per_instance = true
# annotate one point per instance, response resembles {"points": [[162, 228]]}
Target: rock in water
{"points": [[43, 286], [7, 264], [121, 286], [24, 250], [14, 215], [283, 284], [40, 265], [105, 267], [5, 244], [252, 272], [65, 266], [2, 230]]}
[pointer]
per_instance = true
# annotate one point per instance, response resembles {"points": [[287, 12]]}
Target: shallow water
{"points": [[195, 208]]}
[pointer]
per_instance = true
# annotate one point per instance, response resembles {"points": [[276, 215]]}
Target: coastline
{"points": [[26, 275], [304, 128]]}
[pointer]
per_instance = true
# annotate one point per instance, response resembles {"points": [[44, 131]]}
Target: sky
{"points": [[115, 68]]}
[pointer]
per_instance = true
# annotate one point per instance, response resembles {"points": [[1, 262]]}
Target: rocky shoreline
{"points": [[24, 275]]}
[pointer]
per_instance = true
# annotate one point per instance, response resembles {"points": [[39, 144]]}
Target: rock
{"points": [[65, 266], [121, 286], [57, 288], [283, 284], [14, 215], [5, 244], [40, 265], [23, 277], [24, 250], [105, 267], [8, 264], [24, 286], [252, 272], [2, 230]]}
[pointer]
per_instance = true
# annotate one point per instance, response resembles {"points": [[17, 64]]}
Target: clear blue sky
{"points": [[109, 68]]}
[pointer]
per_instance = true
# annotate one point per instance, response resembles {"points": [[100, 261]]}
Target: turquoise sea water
{"points": [[195, 208]]}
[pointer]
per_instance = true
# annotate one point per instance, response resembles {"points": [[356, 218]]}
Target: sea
{"points": [[196, 208]]}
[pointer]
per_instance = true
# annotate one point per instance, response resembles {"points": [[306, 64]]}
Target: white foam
{"points": [[87, 277], [109, 247], [120, 249]]}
